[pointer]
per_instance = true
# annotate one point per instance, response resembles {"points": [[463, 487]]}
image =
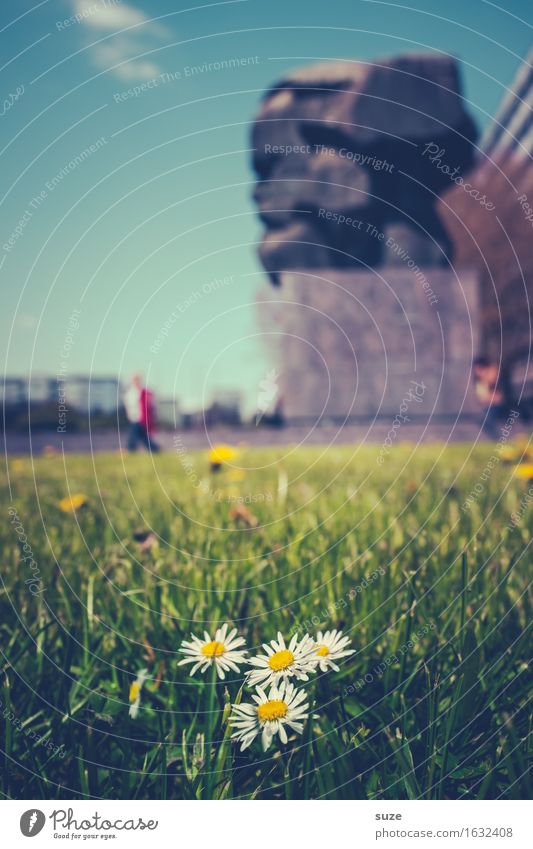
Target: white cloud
{"points": [[100, 15], [108, 17], [118, 52]]}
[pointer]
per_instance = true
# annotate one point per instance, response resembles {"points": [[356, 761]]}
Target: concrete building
{"points": [[400, 273], [354, 345], [96, 394], [13, 390], [82, 392], [168, 412], [225, 407], [39, 389]]}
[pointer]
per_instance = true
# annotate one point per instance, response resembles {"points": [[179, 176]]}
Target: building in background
{"points": [[399, 248], [367, 304], [100, 397], [13, 391], [39, 389], [93, 394], [494, 239], [225, 408], [168, 412]]}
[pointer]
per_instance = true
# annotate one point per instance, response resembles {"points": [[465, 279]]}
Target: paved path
{"points": [[371, 432]]}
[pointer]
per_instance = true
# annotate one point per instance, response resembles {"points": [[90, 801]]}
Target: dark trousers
{"points": [[494, 416], [138, 433]]}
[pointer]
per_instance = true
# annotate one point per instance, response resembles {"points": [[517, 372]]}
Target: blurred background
{"points": [[130, 227]]}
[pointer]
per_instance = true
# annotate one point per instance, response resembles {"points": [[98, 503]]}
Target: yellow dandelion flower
{"points": [[71, 503], [524, 471], [221, 454]]}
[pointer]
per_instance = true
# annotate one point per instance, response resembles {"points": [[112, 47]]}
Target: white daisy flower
{"points": [[331, 646], [221, 650], [281, 662], [135, 692], [270, 715]]}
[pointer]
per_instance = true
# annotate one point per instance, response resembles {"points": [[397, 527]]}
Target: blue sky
{"points": [[138, 231]]}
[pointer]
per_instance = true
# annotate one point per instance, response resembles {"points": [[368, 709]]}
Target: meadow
{"points": [[418, 560]]}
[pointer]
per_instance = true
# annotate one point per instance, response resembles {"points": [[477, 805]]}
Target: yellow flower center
{"points": [[281, 660], [274, 709], [213, 649], [135, 689], [323, 651]]}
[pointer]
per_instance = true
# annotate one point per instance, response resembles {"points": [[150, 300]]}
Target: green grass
{"points": [[441, 627]]}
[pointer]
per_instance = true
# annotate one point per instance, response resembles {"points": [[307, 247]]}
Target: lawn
{"points": [[432, 591]]}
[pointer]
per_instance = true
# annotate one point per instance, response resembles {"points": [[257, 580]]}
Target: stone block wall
{"points": [[351, 344]]}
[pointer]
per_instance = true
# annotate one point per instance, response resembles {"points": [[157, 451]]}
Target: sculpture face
{"points": [[343, 156]]}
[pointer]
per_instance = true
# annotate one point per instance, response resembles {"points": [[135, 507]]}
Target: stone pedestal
{"points": [[355, 345]]}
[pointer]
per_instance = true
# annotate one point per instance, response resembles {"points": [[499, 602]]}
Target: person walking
{"points": [[140, 411], [490, 394], [148, 419]]}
